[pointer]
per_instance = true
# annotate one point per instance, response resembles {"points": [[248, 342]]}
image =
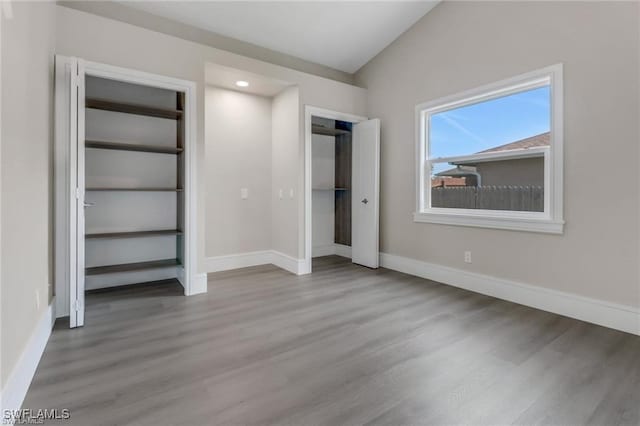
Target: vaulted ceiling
{"points": [[340, 35]]}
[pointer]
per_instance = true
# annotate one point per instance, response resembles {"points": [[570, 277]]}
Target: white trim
{"points": [[509, 86], [235, 261], [309, 112], [495, 222], [326, 250], [198, 284], [332, 249], [133, 76], [551, 221], [255, 258], [191, 209], [19, 380], [62, 202], [612, 315], [193, 277], [342, 250], [77, 288], [288, 263], [65, 175]]}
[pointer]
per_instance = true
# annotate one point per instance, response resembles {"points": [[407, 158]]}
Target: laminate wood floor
{"points": [[344, 346]]}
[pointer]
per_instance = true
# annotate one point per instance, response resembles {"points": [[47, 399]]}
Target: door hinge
{"points": [[77, 305], [77, 193]]}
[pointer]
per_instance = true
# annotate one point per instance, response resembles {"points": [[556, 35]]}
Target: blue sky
{"points": [[485, 125]]}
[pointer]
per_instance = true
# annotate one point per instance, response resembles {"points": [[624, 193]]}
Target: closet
{"points": [[331, 186], [124, 208], [134, 174], [344, 184]]}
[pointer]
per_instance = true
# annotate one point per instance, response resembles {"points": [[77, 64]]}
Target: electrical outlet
{"points": [[291, 193], [281, 193], [467, 257], [244, 193]]}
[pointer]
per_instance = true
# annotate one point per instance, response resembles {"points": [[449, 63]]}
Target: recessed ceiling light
{"points": [[242, 83]]}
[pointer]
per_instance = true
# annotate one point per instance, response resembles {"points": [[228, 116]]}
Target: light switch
{"points": [[291, 193], [244, 193], [281, 193]]}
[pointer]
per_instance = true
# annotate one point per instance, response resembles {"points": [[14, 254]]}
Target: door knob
{"points": [[365, 201]]}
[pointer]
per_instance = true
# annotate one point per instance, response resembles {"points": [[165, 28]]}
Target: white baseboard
{"points": [[332, 249], [19, 380], [342, 250], [306, 266], [326, 250], [198, 284], [264, 257], [612, 315], [288, 263], [235, 261]]}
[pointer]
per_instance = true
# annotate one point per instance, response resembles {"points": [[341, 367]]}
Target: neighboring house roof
{"points": [[531, 147], [460, 171], [543, 139]]}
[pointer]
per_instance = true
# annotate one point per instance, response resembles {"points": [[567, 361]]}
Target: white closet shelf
{"points": [[326, 131], [127, 108], [132, 147], [133, 234], [137, 189], [131, 267]]}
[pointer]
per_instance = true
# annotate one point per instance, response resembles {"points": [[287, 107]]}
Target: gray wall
{"points": [[285, 175], [27, 113], [526, 171], [238, 155], [462, 45]]}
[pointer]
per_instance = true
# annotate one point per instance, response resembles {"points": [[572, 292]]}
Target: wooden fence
{"points": [[519, 198]]}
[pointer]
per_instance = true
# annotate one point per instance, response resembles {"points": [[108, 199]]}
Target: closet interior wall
{"points": [[134, 180], [331, 185]]}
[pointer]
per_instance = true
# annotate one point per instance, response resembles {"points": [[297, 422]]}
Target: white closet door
{"points": [[78, 309], [69, 181], [365, 182]]}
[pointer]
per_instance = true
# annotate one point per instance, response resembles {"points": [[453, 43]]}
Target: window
{"points": [[492, 157]]}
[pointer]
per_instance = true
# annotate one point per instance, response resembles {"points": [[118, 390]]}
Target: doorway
{"points": [[124, 182], [341, 186]]}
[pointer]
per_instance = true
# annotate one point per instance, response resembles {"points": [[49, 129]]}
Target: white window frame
{"points": [[551, 220]]}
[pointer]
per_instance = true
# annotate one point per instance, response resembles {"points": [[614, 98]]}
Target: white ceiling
{"points": [[341, 35], [226, 77]]}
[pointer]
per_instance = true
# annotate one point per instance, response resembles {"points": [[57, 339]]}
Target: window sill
{"points": [[546, 226]]}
